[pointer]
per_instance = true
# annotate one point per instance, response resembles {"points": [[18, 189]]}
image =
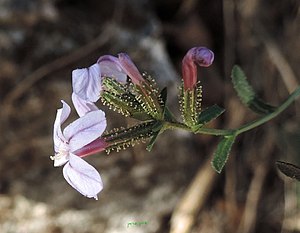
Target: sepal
{"points": [[148, 95], [190, 104], [118, 97], [122, 138]]}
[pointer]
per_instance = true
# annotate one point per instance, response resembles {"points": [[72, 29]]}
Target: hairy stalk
{"points": [[242, 129]]}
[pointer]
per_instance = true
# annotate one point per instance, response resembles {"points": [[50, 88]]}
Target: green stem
{"points": [[216, 132], [208, 131], [244, 128], [272, 115]]}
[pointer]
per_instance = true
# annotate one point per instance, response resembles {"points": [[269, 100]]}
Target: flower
{"points": [[82, 106], [110, 66], [87, 82], [77, 172], [200, 55]]}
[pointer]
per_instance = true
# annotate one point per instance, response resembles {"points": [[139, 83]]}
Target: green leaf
{"points": [[156, 129], [222, 152], [152, 141], [247, 94], [210, 114], [241, 85]]}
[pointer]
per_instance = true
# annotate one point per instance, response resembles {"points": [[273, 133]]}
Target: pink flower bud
{"points": [[130, 68], [197, 55]]}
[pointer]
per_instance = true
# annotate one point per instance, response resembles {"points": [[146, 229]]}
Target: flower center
{"points": [[62, 155]]}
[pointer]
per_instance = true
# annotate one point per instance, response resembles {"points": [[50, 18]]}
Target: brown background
{"points": [[41, 42]]}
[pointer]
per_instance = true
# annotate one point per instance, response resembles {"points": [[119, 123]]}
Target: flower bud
{"points": [[130, 68], [197, 55]]}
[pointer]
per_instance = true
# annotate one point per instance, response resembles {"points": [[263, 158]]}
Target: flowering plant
{"points": [[118, 83]]}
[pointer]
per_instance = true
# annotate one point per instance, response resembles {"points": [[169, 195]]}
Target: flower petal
{"points": [[85, 129], [111, 67], [86, 82], [130, 69], [61, 116], [82, 106], [83, 177]]}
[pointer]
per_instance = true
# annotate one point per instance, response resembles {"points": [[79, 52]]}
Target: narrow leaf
{"points": [[241, 85], [209, 114], [247, 94], [152, 141], [156, 131], [222, 153], [289, 169]]}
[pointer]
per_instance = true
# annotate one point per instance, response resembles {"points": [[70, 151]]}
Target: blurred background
{"points": [[172, 188]]}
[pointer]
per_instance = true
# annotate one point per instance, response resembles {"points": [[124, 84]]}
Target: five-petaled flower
{"points": [[83, 131]]}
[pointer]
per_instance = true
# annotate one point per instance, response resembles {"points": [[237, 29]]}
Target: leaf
{"points": [[222, 152], [152, 141], [157, 129], [247, 94], [289, 169], [241, 85], [209, 114]]}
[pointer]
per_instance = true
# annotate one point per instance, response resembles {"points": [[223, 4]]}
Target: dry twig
{"points": [[230, 35], [249, 218], [287, 74], [237, 114], [194, 198]]}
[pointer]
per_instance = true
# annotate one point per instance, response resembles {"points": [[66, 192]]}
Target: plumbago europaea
{"points": [[118, 83]]}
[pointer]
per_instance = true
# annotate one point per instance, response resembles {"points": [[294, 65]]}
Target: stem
{"points": [[270, 116], [208, 131], [216, 132], [244, 128]]}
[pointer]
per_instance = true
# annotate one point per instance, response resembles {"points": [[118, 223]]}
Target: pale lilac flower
{"points": [[78, 173], [86, 82], [199, 55], [119, 68], [82, 106], [110, 66]]}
